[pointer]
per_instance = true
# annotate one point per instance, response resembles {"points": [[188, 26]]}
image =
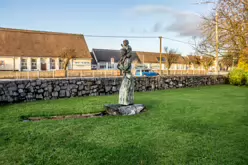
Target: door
{"points": [[43, 64]]}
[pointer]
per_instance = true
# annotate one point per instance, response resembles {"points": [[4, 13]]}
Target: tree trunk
{"points": [[66, 65]]}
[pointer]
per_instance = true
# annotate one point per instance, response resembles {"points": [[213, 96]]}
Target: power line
{"points": [[100, 36], [147, 37], [178, 41]]}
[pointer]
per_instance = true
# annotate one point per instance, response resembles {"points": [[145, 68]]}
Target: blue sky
{"points": [[176, 19]]}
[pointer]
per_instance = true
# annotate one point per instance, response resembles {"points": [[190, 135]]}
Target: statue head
{"points": [[125, 42]]}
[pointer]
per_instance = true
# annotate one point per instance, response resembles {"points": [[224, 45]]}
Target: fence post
{"points": [[67, 73], [81, 73], [93, 73], [193, 71], [28, 74], [105, 73], [181, 72], [53, 73], [38, 73]]}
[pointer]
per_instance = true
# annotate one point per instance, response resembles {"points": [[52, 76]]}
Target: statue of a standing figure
{"points": [[126, 104], [126, 92]]}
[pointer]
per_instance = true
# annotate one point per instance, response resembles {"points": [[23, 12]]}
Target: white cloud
{"points": [[185, 23]]}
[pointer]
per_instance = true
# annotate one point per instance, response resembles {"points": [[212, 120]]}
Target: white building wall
{"points": [[9, 63], [38, 64], [80, 64], [48, 63]]}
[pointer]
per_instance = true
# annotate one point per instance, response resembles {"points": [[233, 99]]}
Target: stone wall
{"points": [[30, 90]]}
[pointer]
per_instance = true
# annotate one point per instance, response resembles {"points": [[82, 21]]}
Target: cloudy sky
{"points": [[175, 19]]}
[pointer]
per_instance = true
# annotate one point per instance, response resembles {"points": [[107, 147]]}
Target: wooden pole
{"points": [[160, 40], [217, 43]]}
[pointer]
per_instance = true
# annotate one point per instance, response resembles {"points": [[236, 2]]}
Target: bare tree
{"points": [[206, 62], [67, 54], [170, 58], [228, 61], [195, 60], [186, 61], [232, 29]]}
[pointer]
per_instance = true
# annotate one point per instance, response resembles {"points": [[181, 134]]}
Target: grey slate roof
{"points": [[105, 55]]}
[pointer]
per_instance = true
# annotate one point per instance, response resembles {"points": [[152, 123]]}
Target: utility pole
{"points": [[217, 41], [160, 39]]}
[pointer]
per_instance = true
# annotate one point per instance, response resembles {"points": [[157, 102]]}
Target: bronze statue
{"points": [[126, 93]]}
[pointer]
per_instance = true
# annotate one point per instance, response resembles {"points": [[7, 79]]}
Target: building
{"points": [[107, 59], [151, 60], [27, 50]]}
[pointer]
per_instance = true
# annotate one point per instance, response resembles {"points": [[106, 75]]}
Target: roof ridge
{"points": [[37, 31], [105, 49]]}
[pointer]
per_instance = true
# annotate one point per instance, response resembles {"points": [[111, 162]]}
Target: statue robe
{"points": [[126, 93]]}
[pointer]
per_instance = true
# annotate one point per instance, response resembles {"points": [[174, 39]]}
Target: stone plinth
{"points": [[117, 109]]}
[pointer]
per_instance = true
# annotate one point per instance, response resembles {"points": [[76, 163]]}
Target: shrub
{"points": [[237, 77], [243, 65]]}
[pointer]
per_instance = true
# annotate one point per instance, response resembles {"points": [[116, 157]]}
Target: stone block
{"points": [[81, 87], [40, 91], [117, 109], [57, 88], [43, 85], [114, 89], [20, 90], [68, 93], [55, 94], [39, 96], [21, 86], [62, 93], [38, 82], [107, 88]]}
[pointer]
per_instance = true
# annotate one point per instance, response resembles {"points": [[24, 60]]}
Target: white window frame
{"points": [[61, 63], [34, 63], [26, 63], [52, 64], [103, 64], [2, 63], [111, 66]]}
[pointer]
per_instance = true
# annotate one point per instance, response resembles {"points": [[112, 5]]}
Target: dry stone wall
{"points": [[30, 90]]}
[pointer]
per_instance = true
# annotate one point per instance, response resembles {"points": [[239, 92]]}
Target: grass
{"points": [[206, 126]]}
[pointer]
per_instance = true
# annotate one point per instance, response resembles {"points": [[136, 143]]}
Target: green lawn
{"points": [[200, 126]]}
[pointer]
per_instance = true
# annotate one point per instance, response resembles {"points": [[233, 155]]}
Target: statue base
{"points": [[121, 110]]}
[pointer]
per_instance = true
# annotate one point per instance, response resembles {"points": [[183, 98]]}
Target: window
{"points": [[61, 64], [82, 63], [102, 66], [52, 63], [162, 59], [33, 64], [1, 63], [111, 66], [24, 64]]}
